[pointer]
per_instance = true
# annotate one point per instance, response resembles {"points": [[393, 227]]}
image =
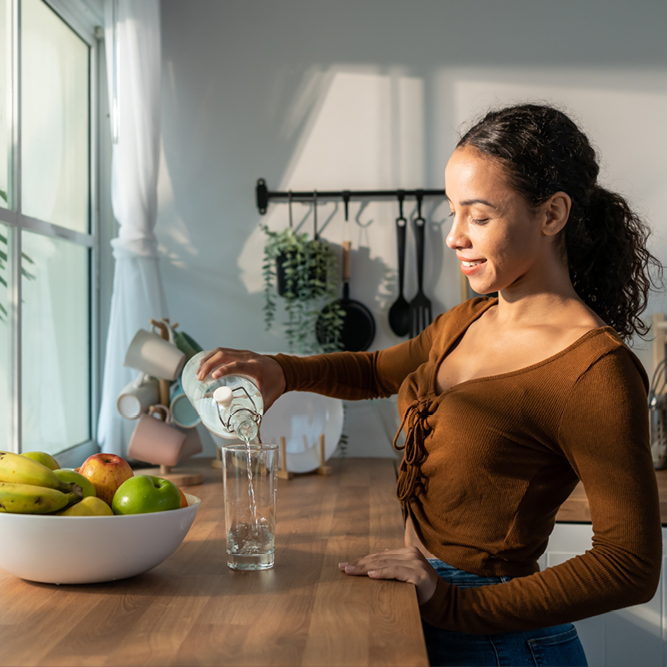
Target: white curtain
{"points": [[138, 294]]}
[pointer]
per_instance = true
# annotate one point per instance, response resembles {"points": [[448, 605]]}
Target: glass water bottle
{"points": [[230, 407]]}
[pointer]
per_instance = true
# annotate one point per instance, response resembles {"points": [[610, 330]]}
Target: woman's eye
{"points": [[480, 221]]}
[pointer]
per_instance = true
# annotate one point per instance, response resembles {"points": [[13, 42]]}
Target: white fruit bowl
{"points": [[90, 549]]}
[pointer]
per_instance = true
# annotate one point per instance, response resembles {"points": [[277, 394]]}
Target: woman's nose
{"points": [[457, 238]]}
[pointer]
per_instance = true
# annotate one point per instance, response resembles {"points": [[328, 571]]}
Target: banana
{"points": [[16, 469], [31, 499]]}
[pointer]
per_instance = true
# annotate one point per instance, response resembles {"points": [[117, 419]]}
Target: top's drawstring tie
{"points": [[415, 451]]}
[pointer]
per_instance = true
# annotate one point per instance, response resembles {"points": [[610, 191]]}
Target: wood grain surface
{"points": [[193, 610]]}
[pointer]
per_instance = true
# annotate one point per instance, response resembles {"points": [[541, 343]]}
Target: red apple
{"points": [[106, 472]]}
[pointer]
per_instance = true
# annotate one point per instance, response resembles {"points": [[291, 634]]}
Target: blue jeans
{"points": [[557, 645]]}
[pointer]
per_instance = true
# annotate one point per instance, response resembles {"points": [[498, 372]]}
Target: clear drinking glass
{"points": [[250, 484]]}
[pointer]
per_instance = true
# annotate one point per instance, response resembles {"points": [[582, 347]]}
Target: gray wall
{"points": [[371, 94]]}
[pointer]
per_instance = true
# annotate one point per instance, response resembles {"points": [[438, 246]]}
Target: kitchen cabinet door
{"points": [[634, 636]]}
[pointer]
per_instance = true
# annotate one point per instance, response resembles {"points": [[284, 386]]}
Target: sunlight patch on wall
{"points": [[361, 130]]}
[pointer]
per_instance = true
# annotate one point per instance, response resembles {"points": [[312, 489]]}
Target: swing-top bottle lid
{"points": [[223, 396]]}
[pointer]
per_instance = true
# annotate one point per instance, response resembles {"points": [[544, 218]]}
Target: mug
{"points": [[138, 396], [151, 354], [155, 440], [182, 412], [186, 344], [192, 444]]}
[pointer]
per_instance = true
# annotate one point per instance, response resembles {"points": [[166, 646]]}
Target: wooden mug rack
{"points": [[179, 477]]}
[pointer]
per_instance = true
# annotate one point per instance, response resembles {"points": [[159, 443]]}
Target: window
{"points": [[5, 341], [47, 230]]}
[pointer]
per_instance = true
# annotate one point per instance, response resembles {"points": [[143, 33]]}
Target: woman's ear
{"points": [[556, 211]]}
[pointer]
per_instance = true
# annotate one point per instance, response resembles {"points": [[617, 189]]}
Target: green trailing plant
{"points": [[304, 273], [3, 265]]}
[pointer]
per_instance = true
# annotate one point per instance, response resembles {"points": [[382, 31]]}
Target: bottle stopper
{"points": [[223, 396]]}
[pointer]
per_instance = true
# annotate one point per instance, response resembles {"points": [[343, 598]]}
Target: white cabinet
{"points": [[632, 637]]}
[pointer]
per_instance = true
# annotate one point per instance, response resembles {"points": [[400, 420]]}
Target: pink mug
{"points": [[192, 444], [155, 440]]}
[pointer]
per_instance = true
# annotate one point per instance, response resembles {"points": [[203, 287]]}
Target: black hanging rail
{"points": [[263, 195]]}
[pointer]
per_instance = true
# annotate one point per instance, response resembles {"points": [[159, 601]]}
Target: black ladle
{"points": [[399, 313]]}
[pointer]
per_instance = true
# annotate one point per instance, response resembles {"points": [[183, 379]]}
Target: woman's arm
{"points": [[604, 435], [357, 375], [345, 375]]}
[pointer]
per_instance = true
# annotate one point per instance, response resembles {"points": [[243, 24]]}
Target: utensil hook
{"points": [[315, 215], [401, 198], [420, 197], [289, 203], [346, 201]]}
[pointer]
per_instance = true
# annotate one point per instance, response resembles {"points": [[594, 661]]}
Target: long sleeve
{"points": [[358, 375], [603, 435]]}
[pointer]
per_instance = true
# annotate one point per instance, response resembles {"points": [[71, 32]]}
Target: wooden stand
{"points": [[179, 477], [323, 469], [164, 334], [283, 472]]}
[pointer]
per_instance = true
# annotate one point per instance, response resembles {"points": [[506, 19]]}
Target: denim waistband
{"points": [[463, 579]]}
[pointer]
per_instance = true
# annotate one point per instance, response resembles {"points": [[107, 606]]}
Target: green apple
{"points": [[73, 477], [142, 494], [89, 506], [43, 458]]}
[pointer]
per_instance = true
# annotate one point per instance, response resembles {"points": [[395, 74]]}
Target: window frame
{"points": [[73, 14]]}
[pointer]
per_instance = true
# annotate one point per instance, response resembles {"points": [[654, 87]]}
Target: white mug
{"points": [[138, 396], [151, 354]]}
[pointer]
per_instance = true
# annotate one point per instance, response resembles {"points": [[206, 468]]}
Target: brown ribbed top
{"points": [[488, 462]]}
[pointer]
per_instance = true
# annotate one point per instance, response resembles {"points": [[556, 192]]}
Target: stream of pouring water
{"points": [[251, 489]]}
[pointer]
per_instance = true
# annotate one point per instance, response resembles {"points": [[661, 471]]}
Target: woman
{"points": [[508, 402]]}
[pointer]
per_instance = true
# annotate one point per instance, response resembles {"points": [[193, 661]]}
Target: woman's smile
{"points": [[471, 266], [496, 234]]}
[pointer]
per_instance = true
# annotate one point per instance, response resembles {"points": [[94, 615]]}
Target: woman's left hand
{"points": [[407, 564]]}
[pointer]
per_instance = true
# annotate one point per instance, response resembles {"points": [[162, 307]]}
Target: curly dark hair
{"points": [[544, 152]]}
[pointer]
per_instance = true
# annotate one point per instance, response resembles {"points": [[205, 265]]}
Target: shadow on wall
{"points": [[373, 103], [333, 129], [355, 95]]}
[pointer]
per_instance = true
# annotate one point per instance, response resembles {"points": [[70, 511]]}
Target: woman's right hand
{"points": [[267, 372]]}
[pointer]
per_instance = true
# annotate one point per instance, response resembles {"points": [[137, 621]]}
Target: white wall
{"points": [[370, 94]]}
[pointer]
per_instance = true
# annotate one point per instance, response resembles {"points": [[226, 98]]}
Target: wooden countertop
{"points": [[193, 610], [575, 509]]}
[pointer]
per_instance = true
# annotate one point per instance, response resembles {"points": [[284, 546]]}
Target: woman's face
{"points": [[496, 235]]}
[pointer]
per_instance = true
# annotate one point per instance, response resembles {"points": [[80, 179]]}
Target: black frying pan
{"points": [[358, 324]]}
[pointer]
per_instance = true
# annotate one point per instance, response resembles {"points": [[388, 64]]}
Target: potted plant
{"points": [[303, 272]]}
